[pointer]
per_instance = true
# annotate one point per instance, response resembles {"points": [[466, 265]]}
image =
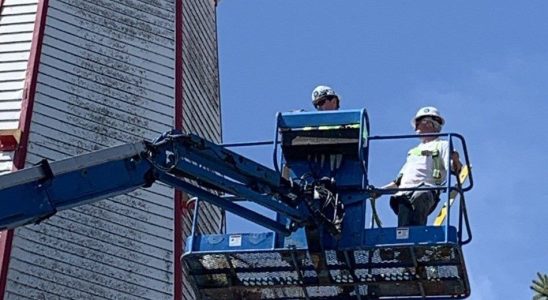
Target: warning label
{"points": [[235, 240]]}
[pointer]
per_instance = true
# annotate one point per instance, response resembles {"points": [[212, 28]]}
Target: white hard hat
{"points": [[322, 91], [427, 111]]}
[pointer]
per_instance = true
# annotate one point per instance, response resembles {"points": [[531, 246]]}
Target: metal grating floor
{"points": [[425, 271]]}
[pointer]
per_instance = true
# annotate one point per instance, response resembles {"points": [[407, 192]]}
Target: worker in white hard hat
{"points": [[426, 166], [324, 98]]}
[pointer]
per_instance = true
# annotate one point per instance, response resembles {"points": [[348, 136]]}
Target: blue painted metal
{"points": [[227, 205], [276, 144], [324, 118], [235, 242], [174, 159], [216, 168], [415, 235], [297, 121], [207, 174], [363, 148], [302, 258], [377, 263], [33, 194], [228, 162], [350, 173], [247, 144], [376, 237]]}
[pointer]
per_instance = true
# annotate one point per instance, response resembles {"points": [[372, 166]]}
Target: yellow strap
{"points": [[415, 152], [437, 160], [463, 175]]}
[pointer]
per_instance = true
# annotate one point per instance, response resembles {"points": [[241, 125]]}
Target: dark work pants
{"points": [[414, 209]]}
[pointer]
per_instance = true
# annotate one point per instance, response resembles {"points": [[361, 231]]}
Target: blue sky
{"points": [[484, 64]]}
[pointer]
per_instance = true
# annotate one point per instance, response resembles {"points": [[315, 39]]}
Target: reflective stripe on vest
{"points": [[436, 160]]}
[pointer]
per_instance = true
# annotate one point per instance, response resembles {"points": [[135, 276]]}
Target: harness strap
{"points": [[436, 160]]}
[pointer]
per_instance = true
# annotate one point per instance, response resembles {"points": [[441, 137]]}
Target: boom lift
{"points": [[319, 247]]}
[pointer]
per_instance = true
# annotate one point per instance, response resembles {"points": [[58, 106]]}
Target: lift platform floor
{"points": [[402, 272]]}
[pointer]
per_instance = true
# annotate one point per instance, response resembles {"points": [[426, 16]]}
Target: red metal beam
{"points": [[27, 104]]}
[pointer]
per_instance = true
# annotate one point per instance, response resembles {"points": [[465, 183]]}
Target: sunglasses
{"points": [[425, 120], [323, 100]]}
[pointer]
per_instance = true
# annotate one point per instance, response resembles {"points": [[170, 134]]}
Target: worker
{"points": [[426, 166], [324, 98]]}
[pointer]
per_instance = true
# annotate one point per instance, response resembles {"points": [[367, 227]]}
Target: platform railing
{"points": [[447, 187], [369, 283]]}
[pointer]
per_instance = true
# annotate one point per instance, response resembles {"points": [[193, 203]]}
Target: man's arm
{"points": [[390, 185], [393, 184], [456, 164]]}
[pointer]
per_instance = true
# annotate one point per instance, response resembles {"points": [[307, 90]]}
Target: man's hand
{"points": [[377, 192], [456, 165], [372, 190]]}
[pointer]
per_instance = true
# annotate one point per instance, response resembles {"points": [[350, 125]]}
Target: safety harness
{"points": [[436, 160]]}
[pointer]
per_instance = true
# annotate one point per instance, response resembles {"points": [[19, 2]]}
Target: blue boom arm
{"points": [[186, 162]]}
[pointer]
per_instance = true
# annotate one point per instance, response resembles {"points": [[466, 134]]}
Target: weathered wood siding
{"points": [[106, 77], [201, 105], [16, 27]]}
